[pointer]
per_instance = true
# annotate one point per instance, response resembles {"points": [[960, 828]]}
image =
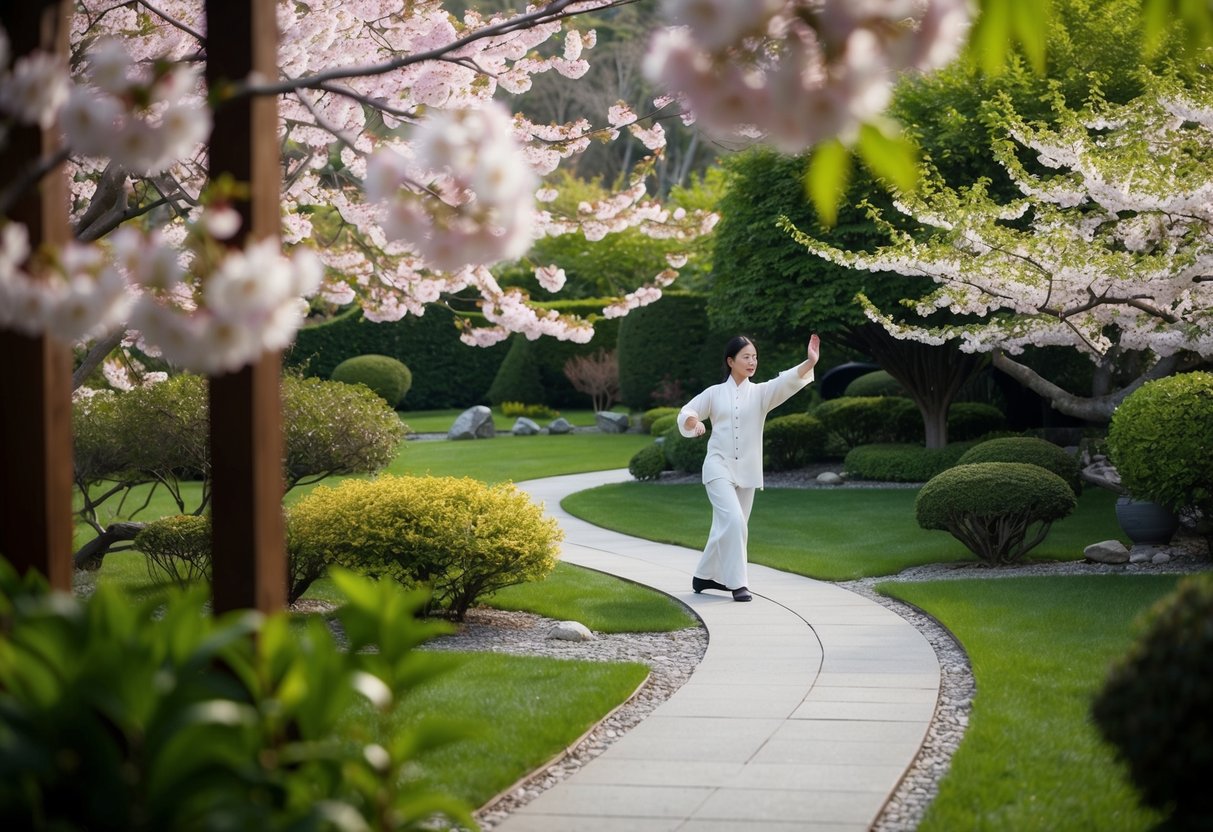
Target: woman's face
{"points": [[745, 363]]}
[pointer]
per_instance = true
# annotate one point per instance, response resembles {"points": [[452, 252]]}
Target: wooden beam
{"points": [[35, 411], [246, 413]]}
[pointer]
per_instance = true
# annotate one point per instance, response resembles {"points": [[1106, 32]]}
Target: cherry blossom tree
{"points": [[1109, 249]]}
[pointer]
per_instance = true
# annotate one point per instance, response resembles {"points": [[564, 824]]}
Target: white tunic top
{"points": [[738, 412]]}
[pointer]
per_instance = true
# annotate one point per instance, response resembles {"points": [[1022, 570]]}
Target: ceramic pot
{"points": [[1146, 522]]}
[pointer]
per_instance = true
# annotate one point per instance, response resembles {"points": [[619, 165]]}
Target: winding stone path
{"points": [[807, 709]]}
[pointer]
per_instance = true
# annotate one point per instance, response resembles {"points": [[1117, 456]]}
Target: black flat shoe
{"points": [[700, 584], [742, 594]]}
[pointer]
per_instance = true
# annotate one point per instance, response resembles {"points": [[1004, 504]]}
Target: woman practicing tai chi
{"points": [[732, 470]]}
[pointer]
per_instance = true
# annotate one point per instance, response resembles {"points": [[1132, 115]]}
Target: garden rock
{"points": [[525, 427], [473, 423], [1142, 553], [829, 478], [1160, 557], [609, 422], [1107, 551], [571, 631], [560, 425]]}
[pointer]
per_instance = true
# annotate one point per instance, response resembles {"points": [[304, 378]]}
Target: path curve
{"points": [[806, 711]]}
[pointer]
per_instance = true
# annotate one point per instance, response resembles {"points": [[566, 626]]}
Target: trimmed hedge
{"points": [[651, 416], [901, 462], [446, 372], [686, 454], [1161, 442], [998, 510], [876, 383], [1156, 706], [1030, 450], [792, 441], [533, 371], [668, 343], [663, 425], [870, 419], [388, 378], [647, 463]]}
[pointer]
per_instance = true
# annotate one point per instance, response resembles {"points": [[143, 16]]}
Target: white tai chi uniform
{"points": [[733, 466]]}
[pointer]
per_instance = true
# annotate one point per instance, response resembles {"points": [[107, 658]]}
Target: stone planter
{"points": [[1146, 522]]}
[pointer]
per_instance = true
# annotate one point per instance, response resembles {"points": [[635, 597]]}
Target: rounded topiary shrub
{"points": [[1161, 442], [1031, 450], [876, 383], [683, 453], [1156, 706], [178, 549], [973, 420], [792, 441], [663, 425], [998, 510], [863, 420], [652, 415], [383, 374], [461, 538], [901, 462], [647, 463]]}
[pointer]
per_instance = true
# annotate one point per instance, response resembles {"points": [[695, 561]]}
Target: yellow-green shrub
{"points": [[460, 537]]}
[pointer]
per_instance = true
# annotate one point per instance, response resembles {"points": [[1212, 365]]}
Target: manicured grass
{"points": [[601, 602], [1040, 648], [833, 535], [518, 458], [525, 710], [440, 421]]}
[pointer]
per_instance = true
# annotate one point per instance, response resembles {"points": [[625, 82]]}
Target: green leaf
{"points": [[890, 155], [1030, 24], [826, 178], [1156, 17], [991, 36]]}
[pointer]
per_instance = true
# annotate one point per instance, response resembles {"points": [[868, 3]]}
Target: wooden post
{"points": [[246, 412], [36, 407]]}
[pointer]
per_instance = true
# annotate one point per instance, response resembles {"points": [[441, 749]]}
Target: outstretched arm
{"points": [[814, 352]]}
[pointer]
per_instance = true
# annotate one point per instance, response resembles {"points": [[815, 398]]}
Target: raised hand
{"points": [[814, 351]]}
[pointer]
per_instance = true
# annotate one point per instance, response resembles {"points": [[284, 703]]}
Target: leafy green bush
{"points": [[529, 411], [460, 537], [161, 434], [145, 715], [1161, 442], [792, 441], [390, 378], [662, 426], [869, 419], [901, 462], [647, 463], [876, 383], [998, 510], [686, 454], [178, 549], [449, 373], [651, 415], [1156, 706], [517, 378], [665, 346], [1031, 450], [973, 420]]}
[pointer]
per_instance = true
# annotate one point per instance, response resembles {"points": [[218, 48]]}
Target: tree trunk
{"points": [[1090, 408], [931, 375], [91, 554]]}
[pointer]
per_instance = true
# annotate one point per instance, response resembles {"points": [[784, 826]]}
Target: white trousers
{"points": [[724, 558]]}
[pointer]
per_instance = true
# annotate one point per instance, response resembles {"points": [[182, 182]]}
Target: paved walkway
{"points": [[804, 714]]}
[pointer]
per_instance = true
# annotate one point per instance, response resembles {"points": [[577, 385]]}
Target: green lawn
{"points": [[523, 711], [829, 534], [518, 458], [1040, 647]]}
